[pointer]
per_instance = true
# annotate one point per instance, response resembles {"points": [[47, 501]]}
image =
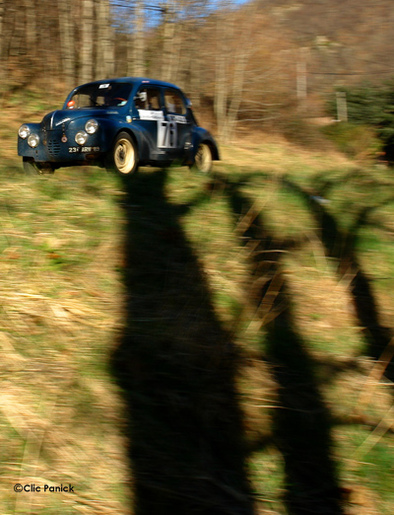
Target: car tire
{"points": [[203, 159], [124, 158]]}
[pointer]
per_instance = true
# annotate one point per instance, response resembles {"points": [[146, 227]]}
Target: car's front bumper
{"points": [[55, 146]]}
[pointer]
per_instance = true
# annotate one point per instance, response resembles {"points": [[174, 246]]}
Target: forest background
{"points": [[263, 63]]}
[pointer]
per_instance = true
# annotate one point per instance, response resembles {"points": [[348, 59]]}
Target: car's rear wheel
{"points": [[203, 158], [124, 159]]}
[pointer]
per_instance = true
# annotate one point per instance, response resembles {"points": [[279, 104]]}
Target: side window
{"points": [[174, 102], [148, 99]]}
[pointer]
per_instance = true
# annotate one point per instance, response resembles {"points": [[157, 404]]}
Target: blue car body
{"points": [[154, 115]]}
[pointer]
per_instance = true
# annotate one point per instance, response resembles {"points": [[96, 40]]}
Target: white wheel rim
{"points": [[124, 156], [204, 158]]}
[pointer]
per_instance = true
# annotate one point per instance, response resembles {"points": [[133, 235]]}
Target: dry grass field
{"points": [[197, 344]]}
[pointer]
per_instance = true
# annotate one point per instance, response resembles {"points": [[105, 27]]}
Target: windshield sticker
{"points": [[150, 115], [177, 118], [104, 86]]}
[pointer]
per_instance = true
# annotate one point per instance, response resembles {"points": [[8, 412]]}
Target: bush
{"points": [[358, 141], [370, 107], [299, 130]]}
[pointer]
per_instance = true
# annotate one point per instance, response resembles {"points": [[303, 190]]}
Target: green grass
{"points": [[62, 311], [60, 305]]}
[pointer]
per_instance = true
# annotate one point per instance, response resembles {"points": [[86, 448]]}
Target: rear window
{"points": [[174, 102]]}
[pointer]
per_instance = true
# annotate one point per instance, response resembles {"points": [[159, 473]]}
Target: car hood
{"points": [[62, 118]]}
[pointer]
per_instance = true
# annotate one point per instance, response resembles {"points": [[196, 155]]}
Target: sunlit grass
{"points": [[61, 299]]}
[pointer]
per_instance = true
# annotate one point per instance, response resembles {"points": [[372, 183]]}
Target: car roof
{"points": [[133, 80]]}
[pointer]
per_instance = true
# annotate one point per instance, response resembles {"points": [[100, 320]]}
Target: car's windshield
{"points": [[109, 94]]}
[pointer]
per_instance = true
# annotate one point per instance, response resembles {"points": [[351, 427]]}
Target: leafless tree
{"points": [[231, 68], [67, 35], [2, 56], [86, 66], [139, 39]]}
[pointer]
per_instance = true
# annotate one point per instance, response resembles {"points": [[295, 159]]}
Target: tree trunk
{"points": [[230, 71], [224, 28], [169, 49], [31, 27], [67, 42], [86, 64], [1, 34], [105, 60], [138, 61]]}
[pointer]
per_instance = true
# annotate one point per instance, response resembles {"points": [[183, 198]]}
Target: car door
{"points": [[148, 105], [175, 132]]}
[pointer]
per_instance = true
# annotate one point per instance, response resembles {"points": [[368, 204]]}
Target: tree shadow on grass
{"points": [[302, 421], [341, 246], [177, 368]]}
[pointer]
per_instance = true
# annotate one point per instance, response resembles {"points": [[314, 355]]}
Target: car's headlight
{"points": [[91, 126], [81, 137], [24, 131], [33, 140]]}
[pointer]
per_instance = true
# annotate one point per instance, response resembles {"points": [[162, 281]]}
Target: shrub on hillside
{"points": [[358, 141], [372, 107], [298, 129]]}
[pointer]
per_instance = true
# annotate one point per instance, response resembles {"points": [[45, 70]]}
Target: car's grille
{"points": [[53, 147]]}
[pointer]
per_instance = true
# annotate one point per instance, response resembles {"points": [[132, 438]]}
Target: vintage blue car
{"points": [[118, 124]]}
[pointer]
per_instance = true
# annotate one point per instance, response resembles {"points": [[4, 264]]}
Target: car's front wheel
{"points": [[203, 159], [124, 158]]}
